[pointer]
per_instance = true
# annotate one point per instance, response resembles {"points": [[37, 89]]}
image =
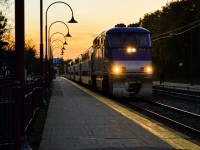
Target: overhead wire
{"points": [[173, 32]]}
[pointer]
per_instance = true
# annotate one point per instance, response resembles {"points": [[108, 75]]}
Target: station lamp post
{"points": [[67, 35], [65, 43], [59, 41], [58, 33], [62, 53], [62, 47], [58, 46], [71, 21]]}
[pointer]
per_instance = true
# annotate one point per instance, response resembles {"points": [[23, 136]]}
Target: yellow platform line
{"points": [[162, 133]]}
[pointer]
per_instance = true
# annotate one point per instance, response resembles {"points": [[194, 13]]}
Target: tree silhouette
{"points": [[170, 49]]}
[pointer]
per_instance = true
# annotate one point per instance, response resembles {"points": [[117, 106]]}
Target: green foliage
{"points": [[171, 49]]}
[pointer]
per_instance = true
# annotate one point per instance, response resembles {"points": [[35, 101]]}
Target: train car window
{"points": [[117, 40]]}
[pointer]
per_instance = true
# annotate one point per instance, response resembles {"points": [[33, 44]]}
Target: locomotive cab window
{"points": [[137, 40], [131, 40], [117, 40], [144, 40]]}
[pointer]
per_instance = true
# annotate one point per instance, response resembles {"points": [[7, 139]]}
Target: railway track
{"points": [[183, 121]]}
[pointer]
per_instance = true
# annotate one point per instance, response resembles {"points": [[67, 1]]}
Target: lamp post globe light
{"points": [[72, 20]]}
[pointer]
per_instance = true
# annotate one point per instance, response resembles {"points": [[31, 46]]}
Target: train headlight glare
{"points": [[116, 69], [119, 69], [146, 69], [149, 69], [131, 50]]}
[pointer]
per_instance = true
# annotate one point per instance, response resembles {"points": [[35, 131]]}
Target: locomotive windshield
{"points": [[129, 40], [117, 40], [128, 46]]}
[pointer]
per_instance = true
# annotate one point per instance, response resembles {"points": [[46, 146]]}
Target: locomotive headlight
{"points": [[131, 50], [117, 69], [147, 69]]}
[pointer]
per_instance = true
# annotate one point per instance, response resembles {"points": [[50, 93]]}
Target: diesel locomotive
{"points": [[119, 62]]}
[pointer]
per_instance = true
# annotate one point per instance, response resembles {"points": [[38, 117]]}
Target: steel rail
{"points": [[197, 132]]}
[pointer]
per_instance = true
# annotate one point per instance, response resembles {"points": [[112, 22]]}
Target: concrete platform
{"points": [[80, 119]]}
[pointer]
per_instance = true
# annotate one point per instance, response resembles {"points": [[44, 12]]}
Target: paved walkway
{"points": [[77, 120]]}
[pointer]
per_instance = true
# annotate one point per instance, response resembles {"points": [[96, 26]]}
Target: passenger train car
{"points": [[119, 63]]}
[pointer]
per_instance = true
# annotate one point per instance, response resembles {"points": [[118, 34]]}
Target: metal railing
{"points": [[10, 115]]}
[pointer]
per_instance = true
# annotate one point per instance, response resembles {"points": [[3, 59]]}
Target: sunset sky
{"points": [[93, 16]]}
